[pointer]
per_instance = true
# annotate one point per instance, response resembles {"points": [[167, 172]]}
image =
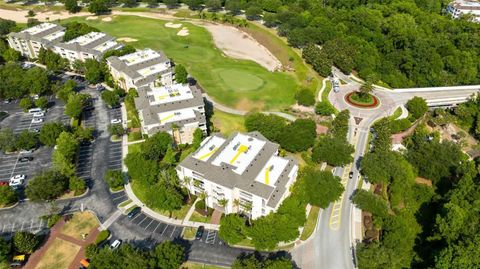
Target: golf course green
{"points": [[236, 83]]}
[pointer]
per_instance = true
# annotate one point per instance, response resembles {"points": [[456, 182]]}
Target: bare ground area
{"points": [[232, 41], [240, 45]]}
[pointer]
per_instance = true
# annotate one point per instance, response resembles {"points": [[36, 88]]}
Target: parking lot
{"points": [[118, 197]]}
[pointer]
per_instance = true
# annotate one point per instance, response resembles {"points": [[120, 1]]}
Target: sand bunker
{"points": [[173, 25], [127, 39], [107, 19], [240, 45], [183, 32], [91, 18]]}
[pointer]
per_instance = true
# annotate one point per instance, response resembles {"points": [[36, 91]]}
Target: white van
{"points": [[35, 110]]}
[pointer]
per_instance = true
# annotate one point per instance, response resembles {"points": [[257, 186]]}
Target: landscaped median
{"points": [[362, 100]]}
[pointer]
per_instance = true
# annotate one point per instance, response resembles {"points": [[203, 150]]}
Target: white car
{"points": [[15, 183], [37, 120], [38, 114], [18, 177], [115, 244], [36, 96], [116, 121], [24, 151]]}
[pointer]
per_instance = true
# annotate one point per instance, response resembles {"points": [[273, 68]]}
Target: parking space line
{"points": [[136, 217], [166, 226], [115, 198], [154, 230], [148, 224], [174, 227], [142, 220]]}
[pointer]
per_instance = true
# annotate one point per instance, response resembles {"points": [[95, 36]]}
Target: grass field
{"points": [[137, 147], [80, 223], [237, 83], [311, 223], [199, 217], [189, 233], [228, 123], [59, 255]]}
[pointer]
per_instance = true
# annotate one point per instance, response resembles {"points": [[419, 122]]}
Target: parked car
{"points": [[34, 130], [26, 151], [115, 244], [25, 159], [350, 175], [17, 181], [7, 101], [36, 97], [100, 87], [134, 212], [39, 114], [116, 121], [199, 233], [37, 120]]}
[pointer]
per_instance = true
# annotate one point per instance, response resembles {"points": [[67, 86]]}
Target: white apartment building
{"points": [[463, 7], [140, 68], [90, 46], [244, 171], [177, 109], [29, 41]]}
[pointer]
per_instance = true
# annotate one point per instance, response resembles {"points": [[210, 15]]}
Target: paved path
{"points": [[320, 92]]}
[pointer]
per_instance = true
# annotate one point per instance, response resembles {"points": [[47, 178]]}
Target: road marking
{"points": [[166, 226], [174, 227], [142, 220], [156, 227], [136, 217], [148, 224]]}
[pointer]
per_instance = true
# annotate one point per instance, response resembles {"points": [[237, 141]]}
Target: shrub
{"points": [[7, 196], [101, 237], [52, 220], [25, 242], [200, 205], [398, 126], [114, 179], [324, 108], [305, 97]]}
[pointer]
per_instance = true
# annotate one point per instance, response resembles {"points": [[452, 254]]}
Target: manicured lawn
{"points": [[222, 77], [132, 115], [59, 255], [189, 233], [245, 243], [228, 123], [80, 223], [396, 114], [326, 91], [194, 265], [199, 217], [124, 203], [148, 195], [137, 147], [311, 223], [134, 136]]}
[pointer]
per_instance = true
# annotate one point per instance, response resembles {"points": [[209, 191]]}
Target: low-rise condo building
{"points": [[90, 46], [242, 173], [458, 8], [140, 68], [178, 109], [29, 41]]}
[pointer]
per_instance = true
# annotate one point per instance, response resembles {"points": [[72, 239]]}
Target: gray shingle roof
{"points": [[224, 176], [89, 48], [39, 36]]}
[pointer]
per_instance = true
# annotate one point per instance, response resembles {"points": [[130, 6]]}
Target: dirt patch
{"points": [[173, 25], [423, 181], [91, 18], [79, 224], [107, 19], [249, 105], [183, 32], [127, 39], [59, 255], [240, 45]]}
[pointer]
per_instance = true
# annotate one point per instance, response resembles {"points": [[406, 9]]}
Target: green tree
{"points": [[53, 61], [116, 129], [114, 179], [319, 60], [42, 102], [94, 70], [155, 147], [321, 187], [26, 103], [334, 151], [77, 185], [98, 7], [253, 12], [72, 6], [67, 145], [75, 105], [7, 140], [270, 126], [194, 4], [233, 6], [46, 186], [213, 5], [25, 242], [169, 255], [170, 3], [11, 55], [111, 98], [75, 29], [27, 140], [141, 169], [7, 196], [305, 97], [298, 135], [66, 90], [232, 229], [181, 74], [417, 106], [324, 108], [37, 80], [5, 251], [6, 26], [340, 124], [370, 202]]}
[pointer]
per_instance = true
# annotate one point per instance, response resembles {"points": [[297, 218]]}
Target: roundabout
{"points": [[354, 99]]}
